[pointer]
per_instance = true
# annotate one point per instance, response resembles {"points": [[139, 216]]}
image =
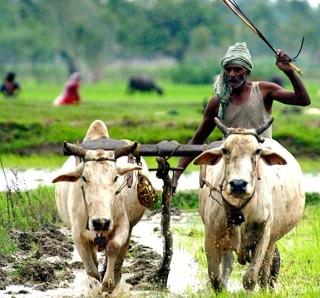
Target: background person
{"points": [[10, 87], [70, 94], [240, 102]]}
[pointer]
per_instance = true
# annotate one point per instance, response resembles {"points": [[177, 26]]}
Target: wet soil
{"points": [[40, 261], [43, 261], [140, 267]]}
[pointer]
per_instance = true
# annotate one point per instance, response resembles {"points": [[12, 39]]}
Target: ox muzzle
{"points": [[238, 187], [100, 224]]}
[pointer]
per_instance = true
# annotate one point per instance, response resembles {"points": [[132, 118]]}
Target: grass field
{"points": [[30, 124]]}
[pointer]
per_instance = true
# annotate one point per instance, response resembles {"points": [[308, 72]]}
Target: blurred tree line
{"points": [[86, 34]]}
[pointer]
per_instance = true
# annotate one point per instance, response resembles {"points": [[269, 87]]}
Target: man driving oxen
{"points": [[240, 102]]}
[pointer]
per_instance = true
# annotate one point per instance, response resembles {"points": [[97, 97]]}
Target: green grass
{"points": [[145, 118], [25, 211], [49, 161], [300, 256], [31, 122]]}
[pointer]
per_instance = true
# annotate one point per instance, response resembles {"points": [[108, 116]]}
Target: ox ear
{"points": [[271, 158], [70, 176], [123, 169], [209, 157]]}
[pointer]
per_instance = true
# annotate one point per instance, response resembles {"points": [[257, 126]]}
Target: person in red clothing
{"points": [[70, 94]]}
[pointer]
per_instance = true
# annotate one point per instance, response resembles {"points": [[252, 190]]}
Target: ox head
{"points": [[96, 182], [240, 152]]}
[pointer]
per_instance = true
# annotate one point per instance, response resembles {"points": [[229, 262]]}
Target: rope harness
{"points": [[234, 214], [118, 191], [145, 192]]}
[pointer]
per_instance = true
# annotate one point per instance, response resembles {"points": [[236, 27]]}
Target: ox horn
{"points": [[264, 126], [125, 150], [225, 130], [71, 149]]}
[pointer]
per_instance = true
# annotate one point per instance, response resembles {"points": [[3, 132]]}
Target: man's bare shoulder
{"points": [[267, 87], [212, 106]]}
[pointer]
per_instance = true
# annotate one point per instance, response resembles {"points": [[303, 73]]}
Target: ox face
{"points": [[240, 153], [96, 185]]}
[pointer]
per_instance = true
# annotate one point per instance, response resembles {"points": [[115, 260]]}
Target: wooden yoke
{"points": [[164, 148]]}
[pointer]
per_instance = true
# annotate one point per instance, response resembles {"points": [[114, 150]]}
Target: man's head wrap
{"points": [[236, 54]]}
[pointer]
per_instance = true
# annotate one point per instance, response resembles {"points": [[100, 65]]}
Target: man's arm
{"points": [[205, 128], [299, 96]]}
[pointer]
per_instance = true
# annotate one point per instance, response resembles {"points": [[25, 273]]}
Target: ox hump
{"points": [[96, 130]]}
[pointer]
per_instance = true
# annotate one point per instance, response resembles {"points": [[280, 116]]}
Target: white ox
{"points": [[252, 198], [92, 201]]}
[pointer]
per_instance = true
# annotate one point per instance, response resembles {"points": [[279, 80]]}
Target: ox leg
{"points": [[213, 255], [250, 278], [94, 255], [89, 262], [227, 266], [270, 267], [275, 268], [120, 259], [113, 250]]}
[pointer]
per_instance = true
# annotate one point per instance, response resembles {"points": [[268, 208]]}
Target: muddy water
{"points": [[32, 178], [55, 269]]}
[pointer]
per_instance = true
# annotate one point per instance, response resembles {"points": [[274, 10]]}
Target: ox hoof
{"points": [[217, 284], [108, 285], [248, 282]]}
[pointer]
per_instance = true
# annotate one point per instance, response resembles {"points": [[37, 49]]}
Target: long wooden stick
{"points": [[233, 6]]}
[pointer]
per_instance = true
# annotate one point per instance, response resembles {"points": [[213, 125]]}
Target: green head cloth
{"points": [[236, 54]]}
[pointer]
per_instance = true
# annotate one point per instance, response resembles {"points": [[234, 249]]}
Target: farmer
{"points": [[10, 87], [70, 94], [242, 103]]}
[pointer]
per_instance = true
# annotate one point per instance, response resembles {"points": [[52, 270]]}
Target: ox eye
{"points": [[225, 151], [84, 179], [258, 151], [115, 178]]}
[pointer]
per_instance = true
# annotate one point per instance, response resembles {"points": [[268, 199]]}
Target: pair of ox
{"points": [[92, 201], [252, 196]]}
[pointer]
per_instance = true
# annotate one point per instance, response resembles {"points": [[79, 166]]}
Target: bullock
{"points": [[143, 84], [94, 200], [252, 196]]}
